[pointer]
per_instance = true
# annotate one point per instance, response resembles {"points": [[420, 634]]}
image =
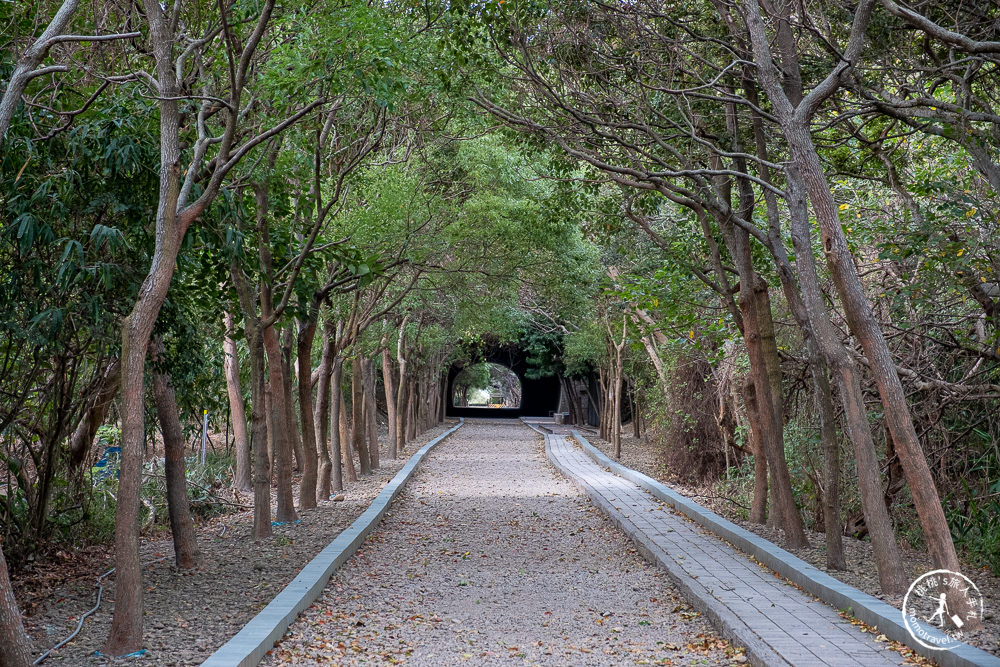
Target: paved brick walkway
{"points": [[776, 622]]}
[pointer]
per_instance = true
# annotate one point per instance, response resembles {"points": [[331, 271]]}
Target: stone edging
{"points": [[814, 581], [257, 637]]}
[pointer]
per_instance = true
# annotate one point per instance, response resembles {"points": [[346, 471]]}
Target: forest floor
{"points": [[860, 572], [189, 614], [491, 557]]}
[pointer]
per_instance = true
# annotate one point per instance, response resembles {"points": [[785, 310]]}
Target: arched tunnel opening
{"points": [[497, 384]]}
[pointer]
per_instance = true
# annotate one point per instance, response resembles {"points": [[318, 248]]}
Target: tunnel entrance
{"points": [[495, 384], [486, 385]]}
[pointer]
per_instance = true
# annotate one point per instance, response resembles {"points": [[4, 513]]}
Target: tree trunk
{"points": [[411, 410], [281, 428], [805, 168], [322, 417], [236, 409], [888, 560], [864, 325], [288, 372], [350, 473], [85, 432], [259, 409], [371, 412], [831, 470], [758, 507], [258, 430], [15, 650], [616, 424], [126, 627], [186, 553], [268, 421], [307, 488], [390, 402], [334, 478], [358, 430], [752, 299], [401, 398]]}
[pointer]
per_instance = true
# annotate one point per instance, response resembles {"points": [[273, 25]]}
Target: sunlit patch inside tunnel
{"points": [[486, 385]]}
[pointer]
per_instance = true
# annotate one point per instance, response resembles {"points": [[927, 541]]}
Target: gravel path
{"points": [[189, 614], [491, 557]]}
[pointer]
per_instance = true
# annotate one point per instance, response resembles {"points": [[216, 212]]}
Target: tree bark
{"points": [[336, 474], [411, 410], [186, 552], [15, 650], [358, 431], [758, 506], [307, 487], [389, 384], [831, 470], [259, 408], [288, 373], [85, 432], [285, 511], [794, 121], [751, 300], [345, 428], [323, 419], [371, 412], [237, 411], [888, 560]]}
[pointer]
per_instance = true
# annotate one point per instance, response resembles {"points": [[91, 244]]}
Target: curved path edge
{"points": [[249, 645], [866, 608]]}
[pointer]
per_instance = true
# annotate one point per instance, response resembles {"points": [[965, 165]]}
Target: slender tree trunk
{"points": [[236, 410], [758, 507], [411, 410], [186, 552], [864, 325], [288, 373], [85, 432], [259, 409], [443, 394], [258, 430], [751, 300], [401, 398], [335, 477], [307, 488], [888, 560], [602, 401], [371, 412], [126, 627], [831, 470], [401, 426], [794, 119], [268, 420], [358, 431], [15, 650], [616, 423], [345, 428], [323, 418], [281, 428], [390, 402]]}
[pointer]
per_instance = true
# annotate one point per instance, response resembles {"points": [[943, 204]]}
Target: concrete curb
{"points": [[257, 637], [871, 610], [722, 618]]}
